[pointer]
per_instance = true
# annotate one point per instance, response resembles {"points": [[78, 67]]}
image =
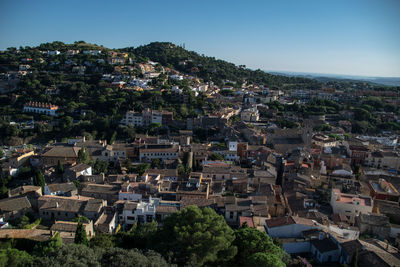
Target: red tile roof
{"points": [[282, 221], [248, 220]]}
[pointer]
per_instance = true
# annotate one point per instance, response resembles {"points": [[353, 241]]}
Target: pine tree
{"points": [[39, 180], [83, 156], [80, 235], [60, 168]]}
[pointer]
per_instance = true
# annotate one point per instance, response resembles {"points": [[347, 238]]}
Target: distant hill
{"points": [[389, 81]]}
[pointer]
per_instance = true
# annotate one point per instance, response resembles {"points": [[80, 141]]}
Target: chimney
{"points": [[56, 204], [79, 197]]}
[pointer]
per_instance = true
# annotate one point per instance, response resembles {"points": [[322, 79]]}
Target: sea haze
{"points": [[390, 81]]}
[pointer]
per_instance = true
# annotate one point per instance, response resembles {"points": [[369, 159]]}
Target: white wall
{"points": [[129, 196], [286, 231]]}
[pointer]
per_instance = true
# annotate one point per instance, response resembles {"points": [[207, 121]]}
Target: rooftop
{"points": [[324, 245], [288, 220]]}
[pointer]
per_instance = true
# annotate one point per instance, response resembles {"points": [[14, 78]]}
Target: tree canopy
{"points": [[197, 236]]}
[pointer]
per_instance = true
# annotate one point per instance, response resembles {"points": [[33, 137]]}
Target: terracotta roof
{"points": [[248, 220], [282, 221], [62, 226], [166, 209], [14, 204], [33, 234], [62, 152], [324, 245], [79, 167], [23, 189], [200, 202], [64, 187], [100, 188]]}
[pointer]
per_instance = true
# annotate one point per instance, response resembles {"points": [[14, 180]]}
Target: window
{"points": [[149, 218], [231, 215], [131, 218]]}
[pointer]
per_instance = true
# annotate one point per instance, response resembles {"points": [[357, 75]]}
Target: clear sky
{"points": [[353, 37]]}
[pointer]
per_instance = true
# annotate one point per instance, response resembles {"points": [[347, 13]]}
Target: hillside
{"points": [[212, 69]]}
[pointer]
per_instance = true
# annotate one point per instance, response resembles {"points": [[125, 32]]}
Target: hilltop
{"points": [[212, 69]]}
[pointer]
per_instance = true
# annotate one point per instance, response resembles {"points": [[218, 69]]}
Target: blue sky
{"points": [[353, 37]]}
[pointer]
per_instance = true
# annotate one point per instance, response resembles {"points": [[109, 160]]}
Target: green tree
{"points": [[131, 257], [39, 180], [15, 257], [100, 166], [354, 262], [77, 184], [250, 241], [113, 138], [60, 167], [71, 255], [142, 168], [83, 156], [24, 220], [216, 156], [80, 235], [102, 240], [66, 123], [261, 259], [45, 248], [155, 163], [197, 236]]}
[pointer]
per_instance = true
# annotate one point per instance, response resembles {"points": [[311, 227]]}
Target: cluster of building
{"points": [[327, 195], [147, 117], [284, 194]]}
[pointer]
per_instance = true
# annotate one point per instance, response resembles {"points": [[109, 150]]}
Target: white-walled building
{"points": [[350, 205], [140, 212], [250, 115], [159, 153], [114, 152], [323, 140], [53, 53], [176, 77], [41, 108], [232, 145], [288, 226], [92, 52], [127, 193], [132, 118]]}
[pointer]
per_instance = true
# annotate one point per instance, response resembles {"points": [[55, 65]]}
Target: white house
{"points": [[156, 117], [250, 115], [141, 212], [232, 145], [53, 53], [132, 118], [176, 77], [159, 153], [350, 205], [288, 226], [92, 52], [114, 152], [127, 193]]}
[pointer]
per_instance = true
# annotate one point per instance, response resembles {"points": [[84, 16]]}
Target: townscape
{"points": [[129, 148]]}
